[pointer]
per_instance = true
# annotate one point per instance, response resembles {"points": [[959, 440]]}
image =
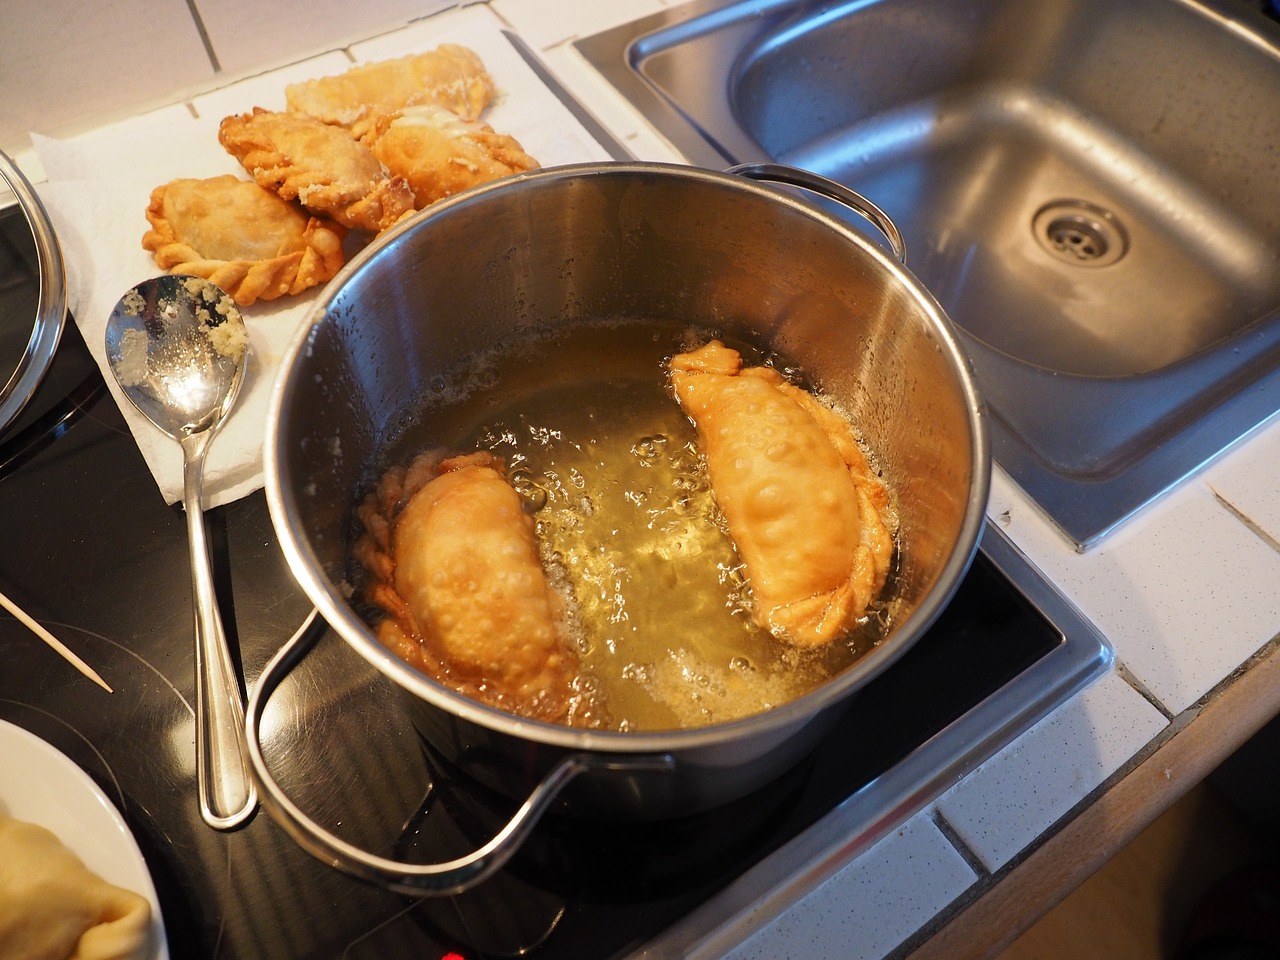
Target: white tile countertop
{"points": [[1186, 592]]}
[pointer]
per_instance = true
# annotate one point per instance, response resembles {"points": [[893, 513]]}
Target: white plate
{"points": [[41, 785]]}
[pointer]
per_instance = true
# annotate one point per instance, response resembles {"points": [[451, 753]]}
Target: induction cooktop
{"points": [[90, 549]]}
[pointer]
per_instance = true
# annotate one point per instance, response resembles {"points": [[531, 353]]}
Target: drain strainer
{"points": [[1080, 233]]}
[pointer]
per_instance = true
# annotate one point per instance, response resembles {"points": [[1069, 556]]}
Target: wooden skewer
{"points": [[54, 642]]}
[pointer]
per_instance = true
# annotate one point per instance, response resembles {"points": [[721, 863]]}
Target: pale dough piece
{"points": [[451, 76], [322, 166], [440, 153], [240, 236], [802, 507], [454, 560], [53, 908]]}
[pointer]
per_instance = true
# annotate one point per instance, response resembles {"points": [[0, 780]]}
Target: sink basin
{"points": [[1091, 189]]}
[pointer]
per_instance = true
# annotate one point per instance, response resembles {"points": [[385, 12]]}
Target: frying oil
{"points": [[607, 465]]}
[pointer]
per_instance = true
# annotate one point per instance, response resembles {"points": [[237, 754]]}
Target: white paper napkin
{"points": [[99, 184]]}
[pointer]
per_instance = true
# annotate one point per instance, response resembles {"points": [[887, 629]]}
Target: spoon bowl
{"points": [[177, 347]]}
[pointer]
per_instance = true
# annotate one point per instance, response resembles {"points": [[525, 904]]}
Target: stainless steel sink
{"points": [[1090, 187]]}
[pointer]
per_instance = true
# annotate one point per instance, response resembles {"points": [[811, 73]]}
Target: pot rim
{"points": [[334, 608]]}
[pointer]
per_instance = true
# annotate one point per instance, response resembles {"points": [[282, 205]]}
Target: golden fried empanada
{"points": [[801, 504], [440, 154], [453, 560], [322, 166], [243, 237], [450, 75]]}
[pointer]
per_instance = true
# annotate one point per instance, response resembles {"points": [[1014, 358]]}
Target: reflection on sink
{"points": [[1090, 188]]}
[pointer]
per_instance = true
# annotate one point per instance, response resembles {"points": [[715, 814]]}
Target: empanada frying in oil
{"points": [[802, 506], [453, 560]]}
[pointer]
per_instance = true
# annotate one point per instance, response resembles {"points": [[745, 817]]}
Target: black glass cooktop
{"points": [[89, 548]]}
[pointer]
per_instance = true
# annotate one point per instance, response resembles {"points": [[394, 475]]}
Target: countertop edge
{"points": [[997, 912]]}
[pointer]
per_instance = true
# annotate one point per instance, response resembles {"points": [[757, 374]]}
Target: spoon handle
{"points": [[227, 793]]}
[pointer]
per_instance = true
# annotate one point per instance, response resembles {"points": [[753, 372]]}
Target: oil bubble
{"points": [[648, 450], [533, 495], [638, 672]]}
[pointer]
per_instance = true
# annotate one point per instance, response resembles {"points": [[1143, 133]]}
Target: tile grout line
{"points": [[1252, 525], [952, 836], [1140, 688], [983, 877], [204, 36]]}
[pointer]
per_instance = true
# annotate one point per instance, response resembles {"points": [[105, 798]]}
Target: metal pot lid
{"points": [[33, 297]]}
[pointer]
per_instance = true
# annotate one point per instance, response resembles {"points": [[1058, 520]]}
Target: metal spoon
{"points": [[177, 347]]}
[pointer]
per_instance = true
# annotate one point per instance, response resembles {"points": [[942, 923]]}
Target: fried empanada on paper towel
{"points": [[53, 906], [322, 166], [441, 154], [451, 76], [802, 506], [453, 560], [243, 237]]}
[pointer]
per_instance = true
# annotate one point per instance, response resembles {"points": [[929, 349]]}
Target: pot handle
{"points": [[410, 879], [807, 180]]}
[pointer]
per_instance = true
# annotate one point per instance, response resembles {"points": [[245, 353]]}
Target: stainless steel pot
{"points": [[576, 245]]}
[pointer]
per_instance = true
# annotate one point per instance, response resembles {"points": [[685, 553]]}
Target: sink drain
{"points": [[1080, 233]]}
